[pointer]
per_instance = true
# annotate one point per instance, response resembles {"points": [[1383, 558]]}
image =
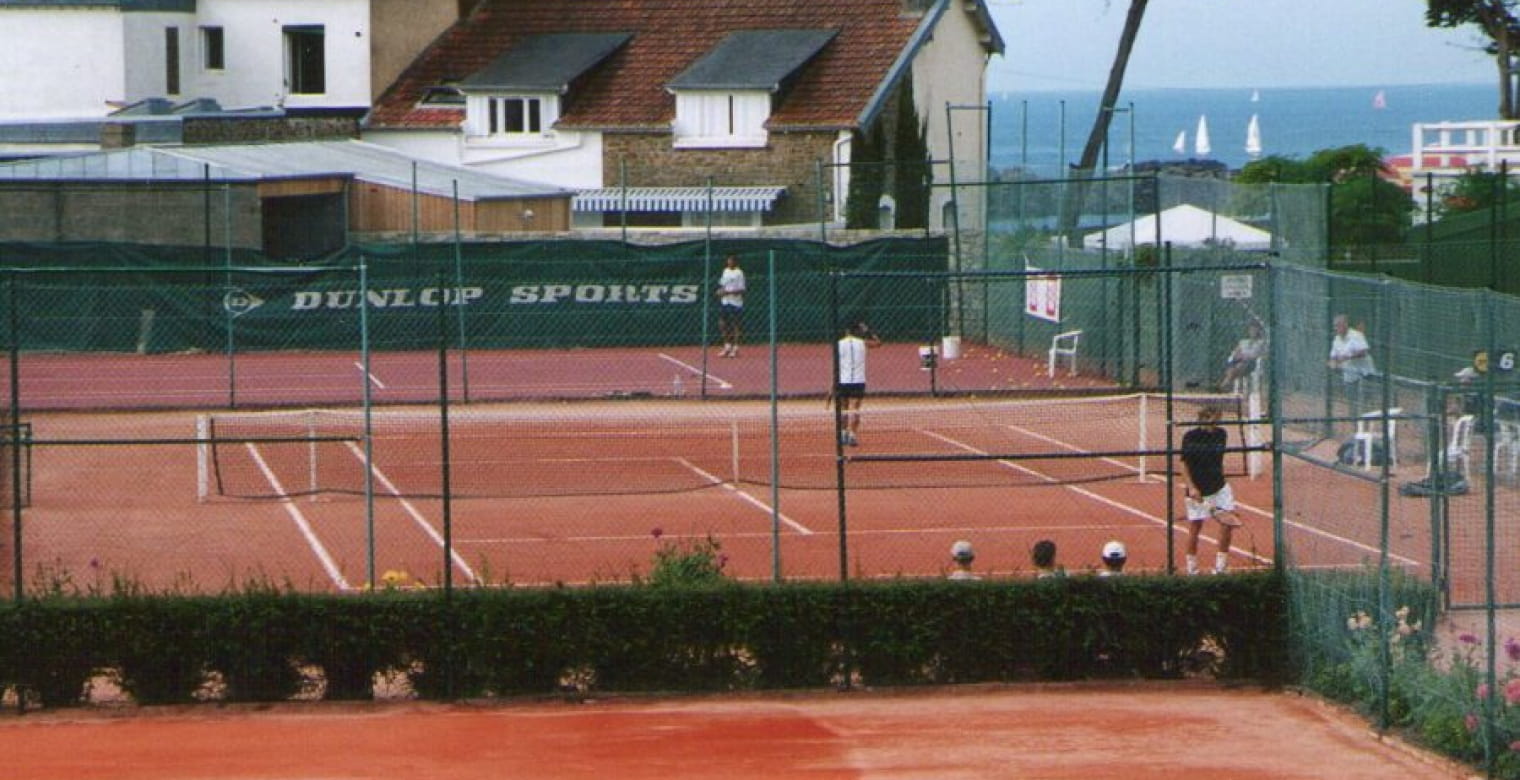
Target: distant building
{"points": [[640, 104]]}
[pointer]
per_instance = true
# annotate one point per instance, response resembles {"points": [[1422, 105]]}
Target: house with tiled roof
{"points": [[735, 113]]}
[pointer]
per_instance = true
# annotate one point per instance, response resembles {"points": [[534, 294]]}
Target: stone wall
{"points": [[790, 160]]}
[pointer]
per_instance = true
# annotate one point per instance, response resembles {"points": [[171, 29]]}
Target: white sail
{"points": [[1255, 96], [1253, 138], [1180, 145], [1201, 145], [1380, 100]]}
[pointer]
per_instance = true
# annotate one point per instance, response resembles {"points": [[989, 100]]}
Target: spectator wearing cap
{"points": [[1043, 555], [1114, 556], [962, 555]]}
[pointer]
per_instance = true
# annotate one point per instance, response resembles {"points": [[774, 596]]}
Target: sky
{"points": [[1069, 45]]}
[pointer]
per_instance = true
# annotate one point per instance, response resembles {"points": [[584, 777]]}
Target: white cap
{"points": [[961, 551], [1467, 374], [1114, 551]]}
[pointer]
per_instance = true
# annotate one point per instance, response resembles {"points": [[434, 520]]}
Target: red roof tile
{"points": [[627, 91]]}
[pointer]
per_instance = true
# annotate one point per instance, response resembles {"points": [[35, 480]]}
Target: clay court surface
{"points": [[1119, 730]]}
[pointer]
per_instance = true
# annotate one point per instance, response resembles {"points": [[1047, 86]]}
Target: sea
{"points": [[1044, 132]]}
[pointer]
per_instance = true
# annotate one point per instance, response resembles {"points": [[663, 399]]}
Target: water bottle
{"points": [[678, 386]]}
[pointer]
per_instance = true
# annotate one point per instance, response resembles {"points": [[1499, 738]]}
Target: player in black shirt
{"points": [[1208, 494]]}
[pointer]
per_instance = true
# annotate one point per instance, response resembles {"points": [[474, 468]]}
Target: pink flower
{"points": [[1512, 649], [1483, 690], [657, 532], [1512, 692], [1467, 639], [1472, 722], [1515, 746]]}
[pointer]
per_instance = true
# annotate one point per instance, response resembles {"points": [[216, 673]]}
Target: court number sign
{"points": [[1504, 363]]}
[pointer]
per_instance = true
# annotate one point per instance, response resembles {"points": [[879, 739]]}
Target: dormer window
{"points": [[518, 96], [724, 98], [515, 115], [443, 96], [709, 119]]}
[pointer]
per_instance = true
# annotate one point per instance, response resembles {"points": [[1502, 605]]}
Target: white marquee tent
{"points": [[1184, 226]]}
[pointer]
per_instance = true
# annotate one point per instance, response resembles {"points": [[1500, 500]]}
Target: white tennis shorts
{"points": [[1203, 509]]}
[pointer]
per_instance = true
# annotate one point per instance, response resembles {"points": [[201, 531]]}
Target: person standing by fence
{"points": [[1352, 356], [730, 294]]}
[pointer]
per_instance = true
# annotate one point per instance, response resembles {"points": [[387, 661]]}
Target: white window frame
{"points": [[721, 119], [486, 117]]}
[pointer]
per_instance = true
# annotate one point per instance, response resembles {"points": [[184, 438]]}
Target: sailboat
{"points": [[1201, 145], [1253, 138], [1255, 96], [1180, 145], [1380, 100]]}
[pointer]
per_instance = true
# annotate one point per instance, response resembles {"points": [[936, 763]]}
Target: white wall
{"points": [[146, 67], [951, 69], [60, 63], [574, 162], [77, 62], [255, 52]]}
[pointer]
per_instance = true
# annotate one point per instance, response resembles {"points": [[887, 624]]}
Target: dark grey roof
{"points": [[753, 59], [546, 63]]}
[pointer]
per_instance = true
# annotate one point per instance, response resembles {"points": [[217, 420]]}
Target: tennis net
{"points": [[660, 446]]}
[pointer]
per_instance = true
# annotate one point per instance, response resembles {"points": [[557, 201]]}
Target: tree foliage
{"points": [[1365, 207], [1498, 22]]}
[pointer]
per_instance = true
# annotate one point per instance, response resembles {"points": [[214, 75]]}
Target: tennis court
{"points": [[587, 490], [1132, 730]]}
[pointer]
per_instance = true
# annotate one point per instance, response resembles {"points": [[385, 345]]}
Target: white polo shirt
{"points": [[852, 361]]}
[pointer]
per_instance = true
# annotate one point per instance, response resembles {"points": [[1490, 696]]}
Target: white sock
{"points": [[1220, 560], [1192, 564]]}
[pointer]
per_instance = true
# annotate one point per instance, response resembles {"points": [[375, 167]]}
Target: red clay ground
{"points": [[1139, 730]]}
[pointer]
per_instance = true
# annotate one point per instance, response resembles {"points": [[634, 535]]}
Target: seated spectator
{"points": [[962, 555], [1043, 555], [1114, 556]]}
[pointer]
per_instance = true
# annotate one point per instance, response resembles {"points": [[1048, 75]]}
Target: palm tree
{"points": [[1099, 135]]}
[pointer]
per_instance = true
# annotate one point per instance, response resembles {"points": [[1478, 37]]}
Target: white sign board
{"points": [[1042, 295], [1235, 287]]}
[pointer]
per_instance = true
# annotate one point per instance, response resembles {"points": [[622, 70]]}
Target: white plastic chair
{"points": [[1369, 429], [1064, 345], [1459, 445], [1507, 445]]}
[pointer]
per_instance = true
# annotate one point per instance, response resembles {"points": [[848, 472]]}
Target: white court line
{"points": [[699, 372], [302, 525], [374, 380], [764, 507], [416, 516], [1119, 505], [1309, 529], [994, 529]]}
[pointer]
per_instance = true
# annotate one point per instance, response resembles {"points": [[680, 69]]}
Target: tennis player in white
{"points": [[850, 384], [730, 294]]}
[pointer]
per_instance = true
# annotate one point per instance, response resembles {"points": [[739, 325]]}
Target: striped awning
{"points": [[678, 199]]}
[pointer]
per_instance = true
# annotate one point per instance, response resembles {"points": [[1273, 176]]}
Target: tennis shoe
{"points": [[851, 440]]}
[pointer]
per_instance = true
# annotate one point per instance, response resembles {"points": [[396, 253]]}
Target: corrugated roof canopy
{"points": [[753, 59], [545, 63], [678, 199], [302, 159]]}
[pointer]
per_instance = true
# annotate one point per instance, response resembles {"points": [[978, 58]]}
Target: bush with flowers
{"points": [[1437, 696]]}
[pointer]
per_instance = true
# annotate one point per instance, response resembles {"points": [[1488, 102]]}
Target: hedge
{"points": [[269, 646]]}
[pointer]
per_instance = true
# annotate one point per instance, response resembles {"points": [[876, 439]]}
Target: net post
{"points": [[311, 455], [202, 458], [1144, 414]]}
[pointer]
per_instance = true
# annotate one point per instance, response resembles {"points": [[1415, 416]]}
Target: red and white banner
{"points": [[1042, 295]]}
